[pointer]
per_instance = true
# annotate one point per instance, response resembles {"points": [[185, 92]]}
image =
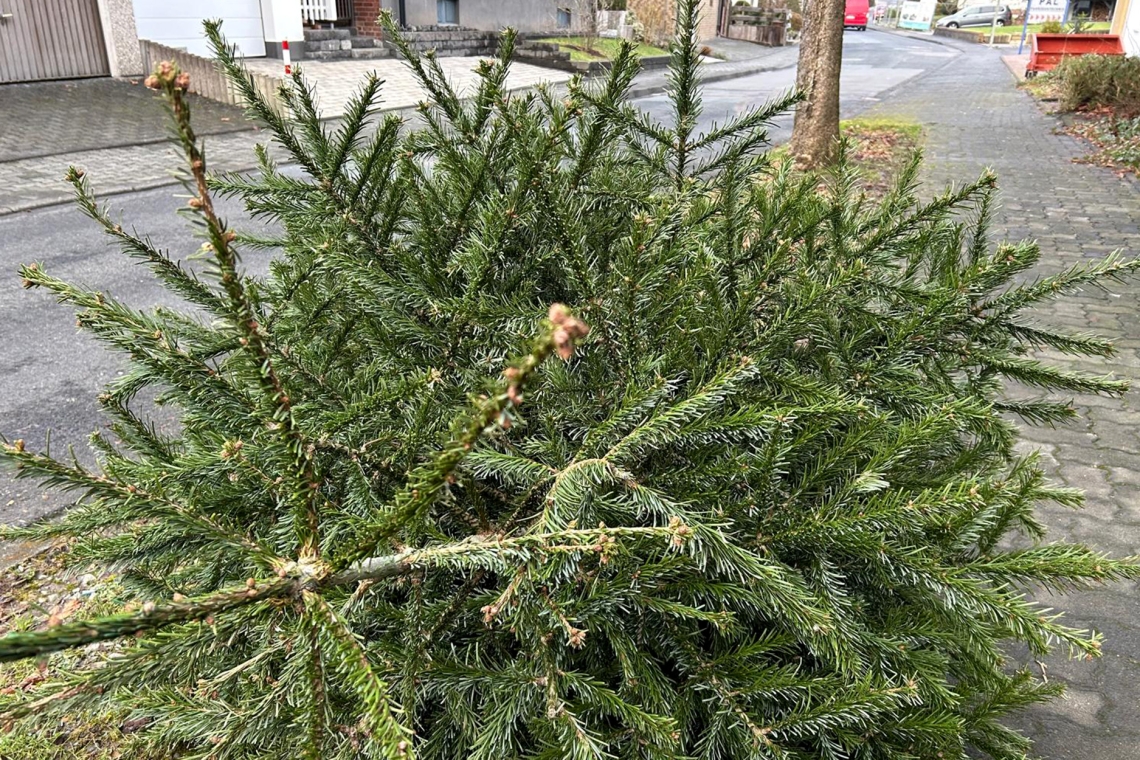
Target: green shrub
{"points": [[25, 747], [760, 510], [1052, 26], [1079, 24], [1099, 81]]}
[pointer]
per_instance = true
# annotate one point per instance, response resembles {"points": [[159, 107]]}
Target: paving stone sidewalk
{"points": [[35, 182], [146, 163], [975, 117], [45, 118], [337, 81], [38, 181]]}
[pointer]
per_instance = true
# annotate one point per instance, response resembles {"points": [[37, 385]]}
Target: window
{"points": [[563, 18], [447, 11]]}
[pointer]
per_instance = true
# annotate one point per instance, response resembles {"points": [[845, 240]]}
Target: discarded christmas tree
{"points": [[749, 492]]}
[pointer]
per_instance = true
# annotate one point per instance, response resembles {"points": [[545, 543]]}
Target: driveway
{"points": [[49, 118]]}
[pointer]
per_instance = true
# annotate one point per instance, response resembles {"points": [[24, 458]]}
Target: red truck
{"points": [[855, 15]]}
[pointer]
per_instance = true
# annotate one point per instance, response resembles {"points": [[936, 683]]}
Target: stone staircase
{"points": [[451, 42], [547, 54], [343, 45]]}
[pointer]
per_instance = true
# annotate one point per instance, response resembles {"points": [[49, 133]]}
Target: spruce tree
{"points": [[554, 432]]}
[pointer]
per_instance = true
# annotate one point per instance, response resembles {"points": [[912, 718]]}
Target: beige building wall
{"points": [[121, 37], [659, 18], [707, 26], [1126, 23]]}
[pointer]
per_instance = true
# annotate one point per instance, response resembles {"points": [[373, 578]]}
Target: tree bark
{"points": [[816, 130], [588, 12]]}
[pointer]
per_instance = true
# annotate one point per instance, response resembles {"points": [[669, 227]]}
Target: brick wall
{"points": [[364, 14], [707, 27], [660, 18]]}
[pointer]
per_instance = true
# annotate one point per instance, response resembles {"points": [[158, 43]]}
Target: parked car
{"points": [[855, 14], [978, 15]]}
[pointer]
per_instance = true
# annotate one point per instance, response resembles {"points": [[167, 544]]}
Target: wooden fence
{"points": [[205, 78], [763, 26]]}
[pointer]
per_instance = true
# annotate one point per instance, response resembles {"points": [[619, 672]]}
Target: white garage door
{"points": [[179, 24], [51, 39]]}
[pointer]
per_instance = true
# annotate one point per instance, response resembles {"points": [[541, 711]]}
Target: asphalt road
{"points": [[873, 63], [52, 373]]}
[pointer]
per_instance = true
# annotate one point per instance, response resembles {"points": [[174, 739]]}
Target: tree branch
{"points": [[173, 84]]}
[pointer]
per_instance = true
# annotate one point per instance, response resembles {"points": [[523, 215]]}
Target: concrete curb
{"points": [[109, 193], [1016, 65], [157, 182], [912, 36], [635, 91], [658, 88], [13, 553], [147, 141], [975, 38]]}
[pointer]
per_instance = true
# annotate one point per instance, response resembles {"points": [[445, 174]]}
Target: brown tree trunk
{"points": [[816, 129], [588, 12]]}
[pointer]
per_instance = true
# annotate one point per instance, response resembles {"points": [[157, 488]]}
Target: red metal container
{"points": [[1047, 50]]}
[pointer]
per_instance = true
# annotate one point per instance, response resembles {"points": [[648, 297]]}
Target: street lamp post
{"points": [[1024, 26]]}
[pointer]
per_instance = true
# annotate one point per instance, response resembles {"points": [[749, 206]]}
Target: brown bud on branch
{"points": [[567, 329]]}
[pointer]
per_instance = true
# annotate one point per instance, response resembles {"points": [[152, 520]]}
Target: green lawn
{"points": [[603, 48], [878, 149], [902, 128]]}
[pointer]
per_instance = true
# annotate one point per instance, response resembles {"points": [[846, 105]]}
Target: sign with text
{"points": [[1047, 10], [917, 14]]}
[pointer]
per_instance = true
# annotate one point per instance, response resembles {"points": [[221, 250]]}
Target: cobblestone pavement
{"points": [[337, 81], [738, 50], [974, 118], [47, 127], [35, 182], [45, 118]]}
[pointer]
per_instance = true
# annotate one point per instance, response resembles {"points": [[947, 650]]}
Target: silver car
{"points": [[978, 15]]}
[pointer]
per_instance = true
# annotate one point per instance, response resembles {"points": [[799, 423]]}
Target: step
{"points": [[442, 45], [536, 54], [549, 47], [364, 42], [322, 35], [439, 36], [369, 54], [337, 44], [456, 52], [328, 55], [444, 48]]}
